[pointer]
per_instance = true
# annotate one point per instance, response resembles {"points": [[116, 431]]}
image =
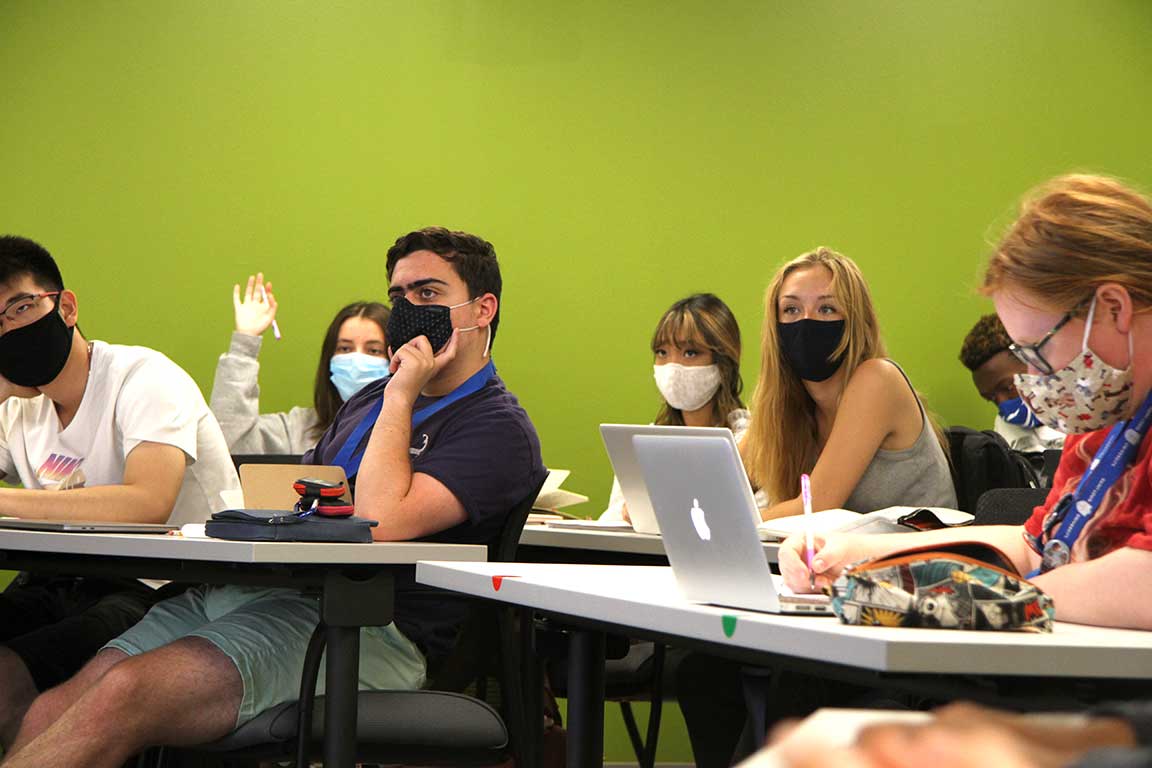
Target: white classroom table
{"points": [[614, 544], [644, 601], [355, 582]]}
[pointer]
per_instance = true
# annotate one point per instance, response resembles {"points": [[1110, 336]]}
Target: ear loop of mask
{"points": [[488, 342], [1088, 331], [1088, 326]]}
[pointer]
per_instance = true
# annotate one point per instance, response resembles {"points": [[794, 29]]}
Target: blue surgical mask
{"points": [[1014, 411], [353, 371]]}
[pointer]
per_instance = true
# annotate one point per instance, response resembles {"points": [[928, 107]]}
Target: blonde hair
{"points": [[703, 319], [782, 442], [1073, 234]]}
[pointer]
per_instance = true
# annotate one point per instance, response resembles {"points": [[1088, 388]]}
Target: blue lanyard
{"points": [[1075, 509], [352, 451]]}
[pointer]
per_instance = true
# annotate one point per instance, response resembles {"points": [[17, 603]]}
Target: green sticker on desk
{"points": [[729, 624]]}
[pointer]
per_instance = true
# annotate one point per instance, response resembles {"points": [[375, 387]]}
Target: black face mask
{"points": [[34, 355], [808, 346], [409, 320]]}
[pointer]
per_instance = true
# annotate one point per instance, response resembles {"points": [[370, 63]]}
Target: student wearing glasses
{"points": [[92, 431], [354, 353], [1072, 282]]}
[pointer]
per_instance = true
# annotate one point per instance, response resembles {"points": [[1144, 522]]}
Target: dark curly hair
{"points": [[986, 340], [473, 258]]}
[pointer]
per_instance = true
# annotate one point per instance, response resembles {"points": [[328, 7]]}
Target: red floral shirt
{"points": [[1125, 516]]}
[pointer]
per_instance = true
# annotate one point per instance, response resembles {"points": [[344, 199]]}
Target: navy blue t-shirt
{"points": [[484, 449]]}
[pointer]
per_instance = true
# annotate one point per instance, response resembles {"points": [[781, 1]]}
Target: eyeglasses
{"points": [[19, 312], [1029, 354]]}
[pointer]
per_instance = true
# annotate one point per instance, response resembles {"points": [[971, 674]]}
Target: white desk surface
{"points": [[180, 548], [646, 597], [628, 542]]}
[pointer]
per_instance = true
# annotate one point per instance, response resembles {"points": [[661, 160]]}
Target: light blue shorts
{"points": [[265, 632]]}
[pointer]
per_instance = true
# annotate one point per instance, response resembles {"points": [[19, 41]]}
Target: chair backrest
{"points": [[502, 549], [1008, 506], [480, 640], [981, 461]]}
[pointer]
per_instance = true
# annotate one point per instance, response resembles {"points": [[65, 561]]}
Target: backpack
{"points": [[982, 460]]}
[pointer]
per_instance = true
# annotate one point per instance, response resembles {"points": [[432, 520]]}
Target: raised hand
{"points": [[256, 309]]}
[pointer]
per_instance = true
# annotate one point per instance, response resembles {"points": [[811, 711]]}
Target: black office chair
{"points": [[1008, 506], [982, 460], [632, 672], [438, 725]]}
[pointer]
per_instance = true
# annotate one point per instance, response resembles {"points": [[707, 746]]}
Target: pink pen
{"points": [[806, 497]]}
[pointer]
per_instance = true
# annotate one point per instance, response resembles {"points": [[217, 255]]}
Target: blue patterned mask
{"points": [[1014, 411]]}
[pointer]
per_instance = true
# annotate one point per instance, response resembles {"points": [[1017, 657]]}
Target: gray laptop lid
{"points": [[708, 517], [85, 526], [618, 441]]}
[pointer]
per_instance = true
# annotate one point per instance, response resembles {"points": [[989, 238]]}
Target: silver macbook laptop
{"points": [[84, 526], [618, 441], [708, 518]]}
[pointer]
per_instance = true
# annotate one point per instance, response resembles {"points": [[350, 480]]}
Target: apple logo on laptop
{"points": [[698, 521]]}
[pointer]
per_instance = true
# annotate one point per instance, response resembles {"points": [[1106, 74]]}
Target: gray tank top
{"points": [[917, 476]]}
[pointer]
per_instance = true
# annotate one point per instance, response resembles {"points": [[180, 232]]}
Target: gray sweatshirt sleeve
{"points": [[236, 404]]}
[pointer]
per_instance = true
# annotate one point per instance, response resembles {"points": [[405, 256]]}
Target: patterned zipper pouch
{"points": [[965, 586]]}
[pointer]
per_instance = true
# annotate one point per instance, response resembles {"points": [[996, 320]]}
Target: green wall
{"points": [[620, 155]]}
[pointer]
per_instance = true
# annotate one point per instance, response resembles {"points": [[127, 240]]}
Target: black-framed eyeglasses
{"points": [[1030, 354], [16, 312]]}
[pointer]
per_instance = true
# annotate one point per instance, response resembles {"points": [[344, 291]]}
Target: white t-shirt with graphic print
{"points": [[134, 395]]}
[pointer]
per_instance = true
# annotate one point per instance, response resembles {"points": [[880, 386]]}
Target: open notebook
{"points": [[845, 520]]}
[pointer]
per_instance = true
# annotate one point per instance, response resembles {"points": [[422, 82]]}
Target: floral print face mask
{"points": [[1086, 395]]}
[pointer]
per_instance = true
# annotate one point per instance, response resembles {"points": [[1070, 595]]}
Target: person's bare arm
{"points": [[872, 403], [963, 736], [835, 551], [406, 504], [1109, 591], [153, 473]]}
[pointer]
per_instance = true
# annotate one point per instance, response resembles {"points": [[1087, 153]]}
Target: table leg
{"points": [[532, 718], [341, 689], [348, 602], [586, 699]]}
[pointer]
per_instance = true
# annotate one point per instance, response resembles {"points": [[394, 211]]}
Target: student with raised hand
{"points": [[441, 451], [696, 351], [834, 406], [93, 431], [353, 354], [985, 353], [1072, 283]]}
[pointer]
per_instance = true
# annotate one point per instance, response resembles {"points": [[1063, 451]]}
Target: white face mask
{"points": [[687, 387], [1083, 396]]}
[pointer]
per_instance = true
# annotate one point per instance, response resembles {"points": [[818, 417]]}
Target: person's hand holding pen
{"points": [[256, 309], [830, 553]]}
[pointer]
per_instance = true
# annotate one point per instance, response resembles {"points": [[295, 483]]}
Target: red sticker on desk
{"points": [[729, 624], [498, 581]]}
